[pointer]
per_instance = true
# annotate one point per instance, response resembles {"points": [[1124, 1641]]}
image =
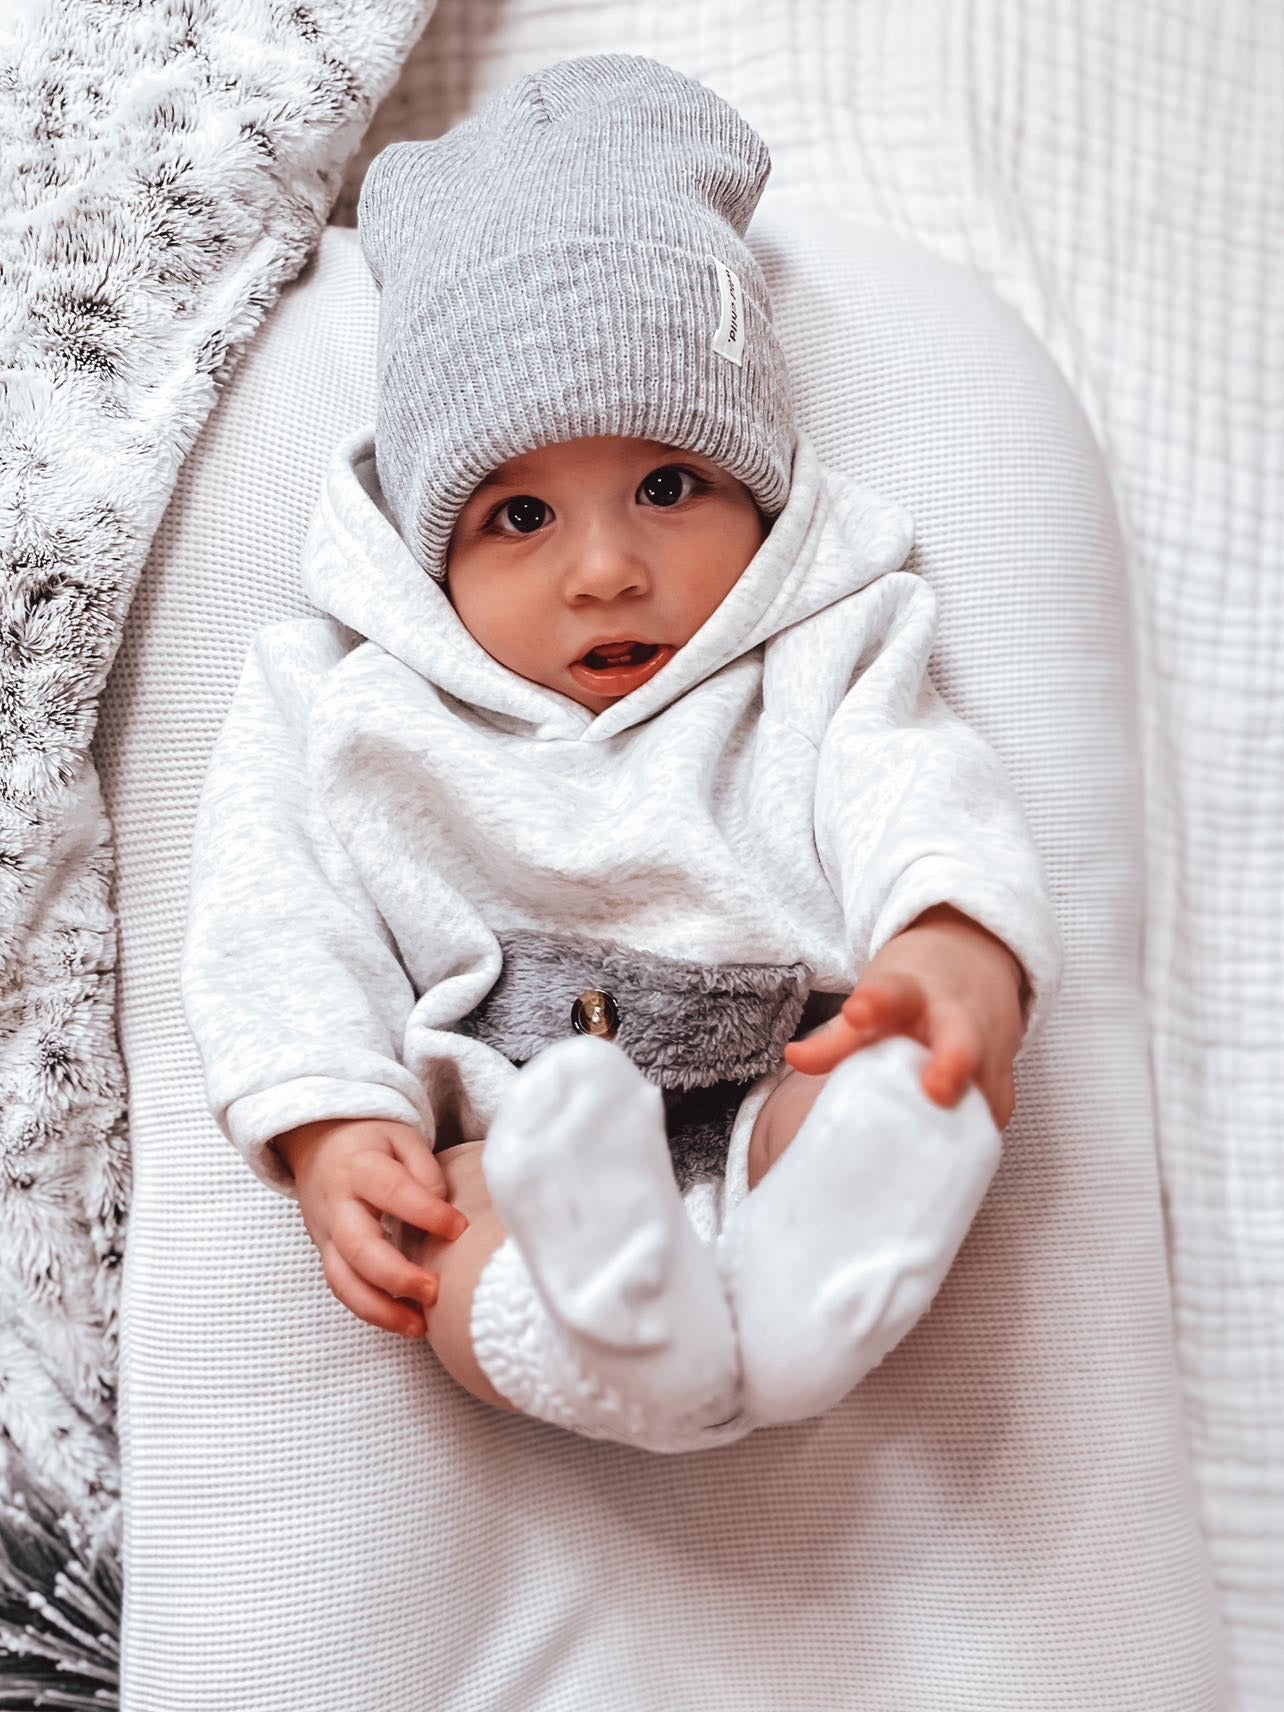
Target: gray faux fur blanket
{"points": [[168, 166]]}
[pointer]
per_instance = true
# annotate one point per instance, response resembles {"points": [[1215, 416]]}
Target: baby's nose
{"points": [[607, 570]]}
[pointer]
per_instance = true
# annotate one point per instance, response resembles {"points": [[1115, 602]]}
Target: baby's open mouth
{"points": [[620, 654], [616, 668]]}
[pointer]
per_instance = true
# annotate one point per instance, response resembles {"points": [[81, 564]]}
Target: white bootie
{"points": [[603, 1311], [839, 1250]]}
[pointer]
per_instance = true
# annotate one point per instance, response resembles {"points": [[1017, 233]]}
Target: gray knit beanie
{"points": [[570, 261]]}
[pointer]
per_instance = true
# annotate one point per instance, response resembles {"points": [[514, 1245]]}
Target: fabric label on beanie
{"points": [[728, 341]]}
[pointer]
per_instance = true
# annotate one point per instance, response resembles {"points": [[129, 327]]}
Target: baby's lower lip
{"points": [[619, 680]]}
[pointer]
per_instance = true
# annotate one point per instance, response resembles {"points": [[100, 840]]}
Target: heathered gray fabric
{"points": [[548, 271]]}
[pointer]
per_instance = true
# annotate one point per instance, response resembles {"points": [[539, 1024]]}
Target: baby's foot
{"points": [[578, 1168], [840, 1249], [579, 1171]]}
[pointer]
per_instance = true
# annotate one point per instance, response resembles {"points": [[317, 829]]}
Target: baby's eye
{"points": [[663, 487], [525, 513]]}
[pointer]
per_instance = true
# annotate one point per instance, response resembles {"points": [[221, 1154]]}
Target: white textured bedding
{"points": [[1000, 1517], [1114, 168]]}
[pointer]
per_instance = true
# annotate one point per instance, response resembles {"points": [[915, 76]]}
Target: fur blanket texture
{"points": [[168, 166]]}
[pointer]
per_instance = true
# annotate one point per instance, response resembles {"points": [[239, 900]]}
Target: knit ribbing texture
{"points": [[555, 267]]}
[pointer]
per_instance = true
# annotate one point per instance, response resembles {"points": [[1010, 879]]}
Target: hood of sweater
{"points": [[832, 538]]}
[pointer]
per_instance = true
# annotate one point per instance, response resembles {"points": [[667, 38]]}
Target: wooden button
{"points": [[595, 1013]]}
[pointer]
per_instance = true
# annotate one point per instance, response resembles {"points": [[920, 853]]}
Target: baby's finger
{"points": [[362, 1243], [388, 1185], [956, 1056], [370, 1305], [820, 1051], [420, 1160], [885, 1004], [1001, 1093]]}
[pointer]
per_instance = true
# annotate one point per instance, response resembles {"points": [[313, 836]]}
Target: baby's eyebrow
{"points": [[494, 479]]}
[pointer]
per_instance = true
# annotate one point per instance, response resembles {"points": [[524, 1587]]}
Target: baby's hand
{"points": [[348, 1173], [948, 983]]}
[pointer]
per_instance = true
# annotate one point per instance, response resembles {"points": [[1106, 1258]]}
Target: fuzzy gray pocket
{"points": [[701, 1032]]}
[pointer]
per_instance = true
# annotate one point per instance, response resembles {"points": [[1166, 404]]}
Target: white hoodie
{"points": [[379, 813]]}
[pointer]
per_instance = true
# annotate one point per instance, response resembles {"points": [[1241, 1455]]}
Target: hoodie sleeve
{"points": [[913, 807], [291, 985]]}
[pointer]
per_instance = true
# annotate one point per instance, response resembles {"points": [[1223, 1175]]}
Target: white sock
{"points": [[547, 1373], [603, 1311], [839, 1250]]}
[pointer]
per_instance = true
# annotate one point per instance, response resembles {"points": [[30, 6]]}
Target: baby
{"points": [[598, 922]]}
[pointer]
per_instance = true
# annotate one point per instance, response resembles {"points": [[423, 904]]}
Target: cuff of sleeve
{"points": [[1024, 923], [250, 1122]]}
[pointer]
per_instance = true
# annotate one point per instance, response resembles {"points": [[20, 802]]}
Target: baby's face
{"points": [[598, 540]]}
